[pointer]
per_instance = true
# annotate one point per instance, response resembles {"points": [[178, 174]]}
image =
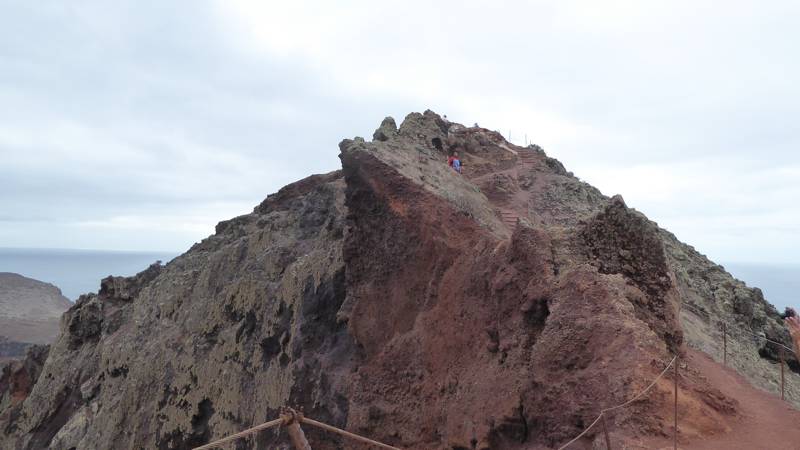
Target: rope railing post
{"points": [[297, 436], [780, 345], [783, 363], [675, 416], [292, 419], [605, 431], [781, 351], [724, 343]]}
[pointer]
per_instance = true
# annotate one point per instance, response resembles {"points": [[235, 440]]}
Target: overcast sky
{"points": [[138, 125]]}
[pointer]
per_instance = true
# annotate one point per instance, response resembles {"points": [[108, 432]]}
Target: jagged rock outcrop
{"points": [[395, 298], [16, 381], [387, 130], [127, 288], [622, 241]]}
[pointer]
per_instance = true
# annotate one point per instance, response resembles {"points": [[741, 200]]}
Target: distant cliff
{"points": [[30, 311]]}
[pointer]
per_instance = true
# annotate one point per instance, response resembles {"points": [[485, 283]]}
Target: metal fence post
{"points": [[605, 431], [675, 417], [291, 419], [783, 397], [297, 436], [724, 343]]}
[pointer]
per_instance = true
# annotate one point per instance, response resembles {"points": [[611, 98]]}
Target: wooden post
{"points": [[783, 397], [724, 343], [291, 419], [605, 431], [675, 440], [297, 436]]}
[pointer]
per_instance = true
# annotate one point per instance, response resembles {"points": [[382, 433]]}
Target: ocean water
{"points": [[76, 272]]}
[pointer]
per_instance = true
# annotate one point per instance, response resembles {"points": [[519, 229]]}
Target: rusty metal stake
{"points": [[675, 441], [291, 419], [724, 344], [782, 375], [605, 431]]}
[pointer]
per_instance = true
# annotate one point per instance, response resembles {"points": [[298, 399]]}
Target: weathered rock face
{"points": [[18, 378], [480, 332], [127, 288], [11, 349], [711, 297], [393, 298], [622, 241], [217, 340]]}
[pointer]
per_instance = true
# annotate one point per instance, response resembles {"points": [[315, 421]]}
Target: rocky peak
{"points": [[423, 128], [386, 130]]}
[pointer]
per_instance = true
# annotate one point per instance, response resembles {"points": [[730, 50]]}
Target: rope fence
{"points": [[245, 433], [760, 337], [348, 434], [781, 354], [291, 419], [674, 363], [603, 412]]}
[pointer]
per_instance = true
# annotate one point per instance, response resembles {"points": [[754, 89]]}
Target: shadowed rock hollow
{"points": [[397, 299]]}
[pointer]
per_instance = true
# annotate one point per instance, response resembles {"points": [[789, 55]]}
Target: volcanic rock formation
{"points": [[400, 300]]}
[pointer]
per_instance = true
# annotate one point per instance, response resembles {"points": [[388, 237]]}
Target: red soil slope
{"points": [[763, 420]]}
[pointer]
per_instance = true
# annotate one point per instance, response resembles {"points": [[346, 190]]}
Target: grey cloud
{"points": [[155, 110]]}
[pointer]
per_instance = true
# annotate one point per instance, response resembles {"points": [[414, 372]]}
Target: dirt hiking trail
{"points": [[764, 421]]}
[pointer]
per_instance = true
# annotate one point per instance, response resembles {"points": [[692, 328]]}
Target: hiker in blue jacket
{"points": [[454, 162]]}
